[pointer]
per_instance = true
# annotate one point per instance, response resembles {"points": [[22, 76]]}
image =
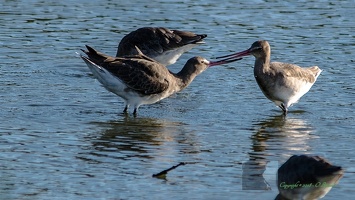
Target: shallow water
{"points": [[63, 135]]}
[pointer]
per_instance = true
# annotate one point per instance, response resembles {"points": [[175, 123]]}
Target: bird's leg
{"points": [[125, 109], [135, 112], [283, 107]]}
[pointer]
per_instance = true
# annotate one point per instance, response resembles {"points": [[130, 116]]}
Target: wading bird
{"points": [[138, 79], [282, 83]]}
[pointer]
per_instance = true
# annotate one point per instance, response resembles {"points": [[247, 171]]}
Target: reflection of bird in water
{"points": [[253, 170], [141, 138], [283, 134], [306, 177], [276, 136], [132, 135]]}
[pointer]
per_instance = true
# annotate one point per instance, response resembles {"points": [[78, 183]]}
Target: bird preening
{"points": [[139, 74]]}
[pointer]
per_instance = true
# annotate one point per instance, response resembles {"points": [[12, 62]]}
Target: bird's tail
{"points": [[94, 56], [316, 71], [96, 62]]}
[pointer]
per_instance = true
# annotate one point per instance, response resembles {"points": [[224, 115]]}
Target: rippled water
{"points": [[63, 137]]}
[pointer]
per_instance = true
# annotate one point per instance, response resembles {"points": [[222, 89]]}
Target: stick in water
{"points": [[162, 174]]}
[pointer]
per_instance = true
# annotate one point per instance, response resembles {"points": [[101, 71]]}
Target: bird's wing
{"points": [[148, 39], [295, 71], [158, 40], [138, 72], [141, 75], [186, 37]]}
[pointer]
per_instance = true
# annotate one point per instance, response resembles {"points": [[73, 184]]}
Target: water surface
{"points": [[63, 135]]}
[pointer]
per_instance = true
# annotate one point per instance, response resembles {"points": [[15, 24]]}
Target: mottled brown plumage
{"points": [[138, 72]]}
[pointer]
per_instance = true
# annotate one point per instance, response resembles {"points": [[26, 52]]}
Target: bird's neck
{"points": [[261, 65], [185, 77]]}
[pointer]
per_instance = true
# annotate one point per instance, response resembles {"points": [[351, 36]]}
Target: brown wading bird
{"points": [[161, 44], [139, 80], [306, 177], [282, 83]]}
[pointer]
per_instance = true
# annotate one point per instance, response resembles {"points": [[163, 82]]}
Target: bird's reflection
{"points": [[283, 136], [253, 171], [277, 136], [132, 136], [140, 138]]}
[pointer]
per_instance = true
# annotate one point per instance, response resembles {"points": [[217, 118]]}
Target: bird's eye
{"points": [[256, 48]]}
